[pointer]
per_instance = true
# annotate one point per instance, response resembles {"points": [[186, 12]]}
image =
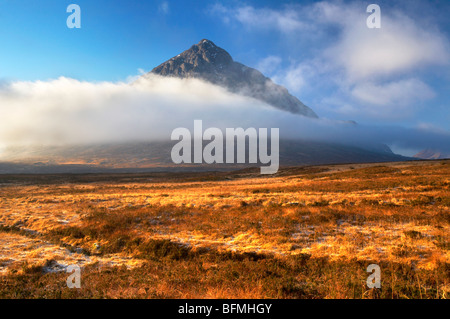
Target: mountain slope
{"points": [[211, 63], [155, 156]]}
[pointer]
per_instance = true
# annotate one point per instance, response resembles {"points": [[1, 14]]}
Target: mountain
{"points": [[431, 154], [205, 61], [211, 63]]}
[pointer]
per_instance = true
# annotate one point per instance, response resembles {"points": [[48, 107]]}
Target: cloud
{"points": [[68, 111], [293, 77], [297, 76], [164, 7], [392, 99], [65, 110], [374, 72], [285, 20], [269, 64], [402, 44]]}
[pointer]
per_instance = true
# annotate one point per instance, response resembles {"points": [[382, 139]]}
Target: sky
{"points": [[397, 76]]}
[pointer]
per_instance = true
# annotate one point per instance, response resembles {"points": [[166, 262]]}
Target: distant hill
{"points": [[155, 156], [431, 154]]}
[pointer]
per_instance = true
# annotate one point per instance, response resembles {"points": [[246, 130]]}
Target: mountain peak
{"points": [[208, 62], [207, 51], [207, 42]]}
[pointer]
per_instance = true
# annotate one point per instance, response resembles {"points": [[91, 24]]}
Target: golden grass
{"points": [[395, 214]]}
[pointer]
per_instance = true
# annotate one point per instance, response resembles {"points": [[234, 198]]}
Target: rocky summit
{"points": [[211, 63]]}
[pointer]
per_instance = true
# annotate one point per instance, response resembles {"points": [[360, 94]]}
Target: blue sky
{"points": [[321, 51]]}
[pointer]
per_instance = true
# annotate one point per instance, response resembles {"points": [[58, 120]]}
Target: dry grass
{"points": [[302, 233]]}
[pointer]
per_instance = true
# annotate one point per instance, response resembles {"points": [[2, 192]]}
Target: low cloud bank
{"points": [[67, 111]]}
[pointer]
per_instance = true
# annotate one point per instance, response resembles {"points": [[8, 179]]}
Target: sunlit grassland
{"points": [[305, 232]]}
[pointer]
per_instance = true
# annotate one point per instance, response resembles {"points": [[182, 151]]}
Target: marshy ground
{"points": [[305, 232]]}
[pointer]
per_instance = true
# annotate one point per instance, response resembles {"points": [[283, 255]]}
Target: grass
{"points": [[302, 233]]}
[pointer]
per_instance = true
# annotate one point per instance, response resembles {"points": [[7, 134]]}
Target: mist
{"points": [[66, 111]]}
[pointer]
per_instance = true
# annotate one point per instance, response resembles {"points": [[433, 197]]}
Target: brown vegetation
{"points": [[306, 232]]}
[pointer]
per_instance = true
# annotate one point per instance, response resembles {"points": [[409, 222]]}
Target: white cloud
{"points": [[70, 111], [393, 97], [67, 111], [379, 67], [293, 78], [387, 101], [164, 7], [269, 64], [285, 20], [399, 46]]}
